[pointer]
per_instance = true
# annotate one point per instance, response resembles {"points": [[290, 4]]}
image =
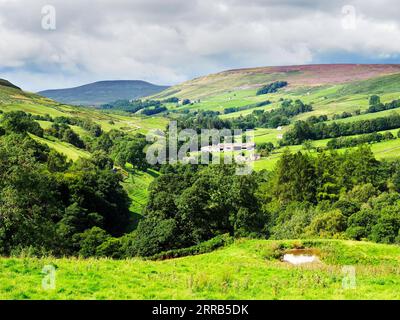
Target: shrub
{"points": [[90, 240], [204, 247], [328, 224]]}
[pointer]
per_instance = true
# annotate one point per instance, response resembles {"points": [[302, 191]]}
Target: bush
{"points": [[90, 240], [111, 247], [329, 224], [387, 228], [272, 87], [204, 247], [154, 236], [21, 122]]}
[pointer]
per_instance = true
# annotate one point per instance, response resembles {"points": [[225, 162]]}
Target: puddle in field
{"points": [[300, 256]]}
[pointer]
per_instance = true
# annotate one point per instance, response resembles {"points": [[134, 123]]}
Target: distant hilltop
{"points": [[97, 93], [6, 83]]}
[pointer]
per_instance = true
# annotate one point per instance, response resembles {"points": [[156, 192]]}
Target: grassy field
{"points": [[247, 269], [65, 148], [137, 187]]}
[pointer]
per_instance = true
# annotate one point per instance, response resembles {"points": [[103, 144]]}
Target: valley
{"points": [[78, 193]]}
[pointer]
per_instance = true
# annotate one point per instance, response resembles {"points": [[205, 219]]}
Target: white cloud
{"points": [[170, 41]]}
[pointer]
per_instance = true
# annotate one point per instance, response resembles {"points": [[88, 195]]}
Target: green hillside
{"points": [[76, 186], [297, 76], [331, 90], [14, 99], [102, 92], [248, 269]]}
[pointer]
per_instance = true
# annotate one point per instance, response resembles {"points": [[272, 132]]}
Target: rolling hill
{"points": [[102, 92], [6, 83], [297, 76], [331, 90], [246, 269], [13, 98]]}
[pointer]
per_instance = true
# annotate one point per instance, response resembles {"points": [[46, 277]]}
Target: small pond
{"points": [[300, 256]]}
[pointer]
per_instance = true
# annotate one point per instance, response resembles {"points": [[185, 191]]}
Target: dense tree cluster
{"points": [[171, 100], [47, 203], [65, 133], [272, 87], [186, 102], [258, 118], [133, 106], [203, 120], [342, 115], [348, 142], [303, 130], [93, 128], [154, 110], [246, 107], [349, 195], [273, 118], [191, 204], [328, 195], [375, 105], [315, 119], [20, 122]]}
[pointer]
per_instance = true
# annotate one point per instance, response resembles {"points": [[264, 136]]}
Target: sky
{"points": [[48, 44]]}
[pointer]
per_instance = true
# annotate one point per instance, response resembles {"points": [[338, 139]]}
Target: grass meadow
{"points": [[247, 269]]}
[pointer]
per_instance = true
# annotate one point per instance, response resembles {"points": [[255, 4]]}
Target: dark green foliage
{"points": [[171, 100], [315, 119], [374, 100], [265, 148], [204, 247], [272, 87], [342, 115], [130, 150], [348, 142], [303, 130], [274, 118], [21, 122], [155, 110], [203, 120], [189, 207], [46, 203], [249, 106], [375, 105], [148, 107], [93, 128], [295, 178], [7, 83], [57, 162], [90, 240], [65, 133]]}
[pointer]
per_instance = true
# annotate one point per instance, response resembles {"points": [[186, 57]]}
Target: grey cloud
{"points": [[171, 41]]}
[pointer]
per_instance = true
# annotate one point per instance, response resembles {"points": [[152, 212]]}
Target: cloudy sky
{"points": [[169, 41]]}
